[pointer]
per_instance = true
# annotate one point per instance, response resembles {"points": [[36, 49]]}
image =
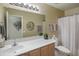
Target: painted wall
{"points": [[51, 15], [1, 13], [72, 11]]}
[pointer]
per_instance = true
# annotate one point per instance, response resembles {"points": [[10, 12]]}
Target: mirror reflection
{"points": [[23, 24]]}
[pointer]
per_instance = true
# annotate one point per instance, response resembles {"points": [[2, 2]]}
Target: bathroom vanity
{"points": [[47, 50], [32, 47]]}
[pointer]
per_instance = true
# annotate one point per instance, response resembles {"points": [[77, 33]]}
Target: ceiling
{"points": [[64, 6]]}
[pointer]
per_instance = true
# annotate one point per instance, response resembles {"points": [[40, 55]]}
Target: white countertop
{"points": [[25, 46]]}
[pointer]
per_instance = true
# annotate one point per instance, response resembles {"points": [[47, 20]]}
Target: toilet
{"points": [[61, 50]]}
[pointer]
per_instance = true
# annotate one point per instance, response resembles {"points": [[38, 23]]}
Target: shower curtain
{"points": [[64, 30], [68, 31]]}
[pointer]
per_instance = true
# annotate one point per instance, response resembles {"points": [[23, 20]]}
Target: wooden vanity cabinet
{"points": [[48, 50], [51, 50], [24, 54], [44, 51], [35, 52]]}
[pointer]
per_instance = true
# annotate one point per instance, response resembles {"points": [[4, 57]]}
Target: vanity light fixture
{"points": [[28, 6]]}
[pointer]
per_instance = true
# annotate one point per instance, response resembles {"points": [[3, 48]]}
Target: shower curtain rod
{"points": [[69, 15]]}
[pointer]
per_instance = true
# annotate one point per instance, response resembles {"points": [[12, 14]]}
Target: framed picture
{"points": [[51, 27], [55, 27], [39, 29]]}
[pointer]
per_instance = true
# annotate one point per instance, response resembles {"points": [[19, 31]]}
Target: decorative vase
{"points": [[45, 36]]}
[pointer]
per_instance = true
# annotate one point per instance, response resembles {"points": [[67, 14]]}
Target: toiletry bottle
{"points": [[54, 37]]}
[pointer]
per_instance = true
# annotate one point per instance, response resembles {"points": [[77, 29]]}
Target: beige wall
{"points": [[1, 13], [72, 11], [51, 14]]}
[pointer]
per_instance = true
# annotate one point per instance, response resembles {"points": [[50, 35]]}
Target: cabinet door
{"points": [[35, 52], [44, 51], [24, 54], [51, 50]]}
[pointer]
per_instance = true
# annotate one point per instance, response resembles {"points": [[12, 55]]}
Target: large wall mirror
{"points": [[23, 24]]}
